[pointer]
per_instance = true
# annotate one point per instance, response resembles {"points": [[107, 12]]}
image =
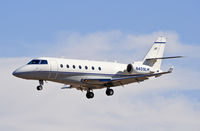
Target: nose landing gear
{"points": [[40, 87]]}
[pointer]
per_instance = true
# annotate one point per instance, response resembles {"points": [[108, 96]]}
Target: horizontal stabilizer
{"points": [[171, 57]]}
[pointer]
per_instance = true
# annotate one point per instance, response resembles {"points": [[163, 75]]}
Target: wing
{"points": [[122, 80], [138, 78]]}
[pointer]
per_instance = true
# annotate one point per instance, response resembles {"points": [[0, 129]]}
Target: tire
{"points": [[109, 92], [39, 88], [89, 95]]}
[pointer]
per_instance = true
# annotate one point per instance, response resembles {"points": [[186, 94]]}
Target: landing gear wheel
{"points": [[39, 88], [109, 92], [89, 95]]}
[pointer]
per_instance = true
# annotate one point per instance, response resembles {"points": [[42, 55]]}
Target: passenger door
{"points": [[53, 69]]}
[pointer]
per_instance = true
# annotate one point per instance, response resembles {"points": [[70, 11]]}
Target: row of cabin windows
{"points": [[80, 67]]}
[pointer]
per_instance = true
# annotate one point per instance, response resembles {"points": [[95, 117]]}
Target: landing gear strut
{"points": [[89, 94], [40, 87], [109, 92]]}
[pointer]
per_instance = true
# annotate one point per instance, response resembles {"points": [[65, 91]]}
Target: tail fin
{"points": [[156, 51]]}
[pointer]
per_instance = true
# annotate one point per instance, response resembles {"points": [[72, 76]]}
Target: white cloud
{"points": [[152, 105], [115, 45]]}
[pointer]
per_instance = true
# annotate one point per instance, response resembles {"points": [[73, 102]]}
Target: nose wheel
{"points": [[40, 87]]}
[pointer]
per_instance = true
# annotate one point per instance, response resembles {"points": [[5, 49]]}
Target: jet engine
{"points": [[135, 68], [129, 68]]}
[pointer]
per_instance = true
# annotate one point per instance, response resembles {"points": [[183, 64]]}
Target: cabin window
{"points": [[92, 67], [61, 65], [86, 67], [99, 68], [74, 66], [80, 67], [67, 66]]}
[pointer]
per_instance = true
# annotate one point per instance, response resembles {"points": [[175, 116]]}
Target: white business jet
{"points": [[89, 75]]}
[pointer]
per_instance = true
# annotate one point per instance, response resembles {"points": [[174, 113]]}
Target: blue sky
{"points": [[121, 30], [38, 22]]}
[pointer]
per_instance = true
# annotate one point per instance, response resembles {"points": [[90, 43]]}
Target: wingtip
{"points": [[171, 69]]}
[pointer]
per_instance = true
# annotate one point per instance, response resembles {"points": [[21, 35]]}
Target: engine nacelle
{"points": [[137, 68], [129, 68]]}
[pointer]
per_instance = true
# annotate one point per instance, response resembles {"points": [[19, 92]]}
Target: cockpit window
{"points": [[38, 62], [34, 62], [43, 62]]}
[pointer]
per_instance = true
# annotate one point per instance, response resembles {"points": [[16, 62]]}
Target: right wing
{"points": [[138, 78], [122, 80]]}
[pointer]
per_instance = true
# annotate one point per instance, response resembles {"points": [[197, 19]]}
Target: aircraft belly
{"points": [[36, 75], [76, 80]]}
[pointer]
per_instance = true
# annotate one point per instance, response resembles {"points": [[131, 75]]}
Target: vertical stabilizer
{"points": [[156, 51]]}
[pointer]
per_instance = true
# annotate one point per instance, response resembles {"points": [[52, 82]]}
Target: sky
{"points": [[108, 30]]}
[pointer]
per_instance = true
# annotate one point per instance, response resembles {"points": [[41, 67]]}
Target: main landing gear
{"points": [[89, 94], [109, 92], [40, 87]]}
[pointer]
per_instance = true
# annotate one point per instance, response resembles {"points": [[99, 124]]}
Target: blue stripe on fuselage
{"points": [[83, 73]]}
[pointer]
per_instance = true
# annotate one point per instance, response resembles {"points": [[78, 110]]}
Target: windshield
{"points": [[38, 62]]}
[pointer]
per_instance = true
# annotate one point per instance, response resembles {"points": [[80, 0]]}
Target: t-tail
{"points": [[155, 55]]}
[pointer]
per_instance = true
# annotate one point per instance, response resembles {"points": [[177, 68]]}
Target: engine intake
{"points": [[129, 68]]}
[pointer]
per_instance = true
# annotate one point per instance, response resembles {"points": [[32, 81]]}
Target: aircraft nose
{"points": [[16, 73], [23, 72], [19, 72]]}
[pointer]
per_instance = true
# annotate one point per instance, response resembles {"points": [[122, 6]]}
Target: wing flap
{"points": [[95, 81]]}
